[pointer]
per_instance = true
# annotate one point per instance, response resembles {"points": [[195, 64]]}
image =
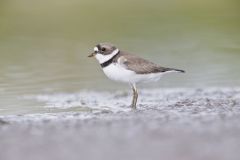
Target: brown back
{"points": [[138, 64]]}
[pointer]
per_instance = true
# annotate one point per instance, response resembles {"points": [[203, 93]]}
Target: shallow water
{"points": [[44, 47]]}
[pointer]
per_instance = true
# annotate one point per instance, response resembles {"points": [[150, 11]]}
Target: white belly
{"points": [[118, 73]]}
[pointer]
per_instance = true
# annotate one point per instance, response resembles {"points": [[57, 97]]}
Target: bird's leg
{"points": [[135, 96]]}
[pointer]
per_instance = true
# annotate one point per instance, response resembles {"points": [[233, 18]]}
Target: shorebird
{"points": [[125, 67]]}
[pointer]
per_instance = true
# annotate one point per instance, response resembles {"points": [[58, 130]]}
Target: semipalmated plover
{"points": [[122, 66]]}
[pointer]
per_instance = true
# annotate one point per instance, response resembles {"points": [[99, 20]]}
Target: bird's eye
{"points": [[103, 49]]}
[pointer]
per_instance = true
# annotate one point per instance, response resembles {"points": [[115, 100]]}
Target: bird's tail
{"points": [[175, 70]]}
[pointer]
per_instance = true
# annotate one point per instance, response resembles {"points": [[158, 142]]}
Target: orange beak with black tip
{"points": [[92, 55]]}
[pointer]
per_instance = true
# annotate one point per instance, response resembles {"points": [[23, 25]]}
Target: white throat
{"points": [[104, 58]]}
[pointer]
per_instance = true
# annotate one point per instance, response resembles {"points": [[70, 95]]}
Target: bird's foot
{"points": [[133, 107]]}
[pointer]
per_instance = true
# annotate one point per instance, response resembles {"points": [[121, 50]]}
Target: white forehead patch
{"points": [[95, 49]]}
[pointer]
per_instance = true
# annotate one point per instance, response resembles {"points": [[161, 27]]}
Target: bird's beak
{"points": [[92, 55]]}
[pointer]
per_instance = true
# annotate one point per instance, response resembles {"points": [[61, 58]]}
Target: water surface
{"points": [[44, 47]]}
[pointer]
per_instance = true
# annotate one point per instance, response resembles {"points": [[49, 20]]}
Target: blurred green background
{"points": [[44, 44]]}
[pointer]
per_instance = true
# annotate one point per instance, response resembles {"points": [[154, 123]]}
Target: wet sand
{"points": [[169, 124]]}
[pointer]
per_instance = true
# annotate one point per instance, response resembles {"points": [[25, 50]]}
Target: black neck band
{"points": [[105, 64]]}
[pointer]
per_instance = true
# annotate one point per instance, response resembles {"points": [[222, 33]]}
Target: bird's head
{"points": [[104, 51]]}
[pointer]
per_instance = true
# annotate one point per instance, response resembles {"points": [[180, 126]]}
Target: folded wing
{"points": [[142, 66]]}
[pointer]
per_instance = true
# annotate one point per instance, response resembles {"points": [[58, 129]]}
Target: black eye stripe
{"points": [[103, 49]]}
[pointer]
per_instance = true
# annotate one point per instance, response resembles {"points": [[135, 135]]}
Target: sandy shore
{"points": [[169, 124]]}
